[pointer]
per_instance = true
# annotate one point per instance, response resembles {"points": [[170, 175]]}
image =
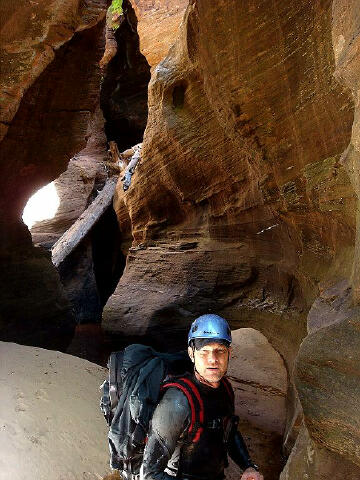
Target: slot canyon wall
{"points": [[245, 202], [50, 79]]}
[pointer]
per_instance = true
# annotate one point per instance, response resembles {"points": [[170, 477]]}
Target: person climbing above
{"points": [[191, 435]]}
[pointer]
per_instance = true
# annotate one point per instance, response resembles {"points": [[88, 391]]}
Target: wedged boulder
{"points": [[51, 424], [260, 380], [158, 26]]}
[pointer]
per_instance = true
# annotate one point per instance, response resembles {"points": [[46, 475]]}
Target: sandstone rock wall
{"points": [[30, 34], [246, 199], [311, 461], [49, 88], [326, 371], [243, 205], [76, 187], [158, 26]]}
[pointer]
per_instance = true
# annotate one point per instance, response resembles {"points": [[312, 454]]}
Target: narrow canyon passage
{"points": [[243, 202], [90, 273]]}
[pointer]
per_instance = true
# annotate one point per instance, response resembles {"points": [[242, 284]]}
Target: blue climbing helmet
{"points": [[210, 326]]}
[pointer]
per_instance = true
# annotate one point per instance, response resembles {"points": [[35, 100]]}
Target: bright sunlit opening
{"points": [[42, 205]]}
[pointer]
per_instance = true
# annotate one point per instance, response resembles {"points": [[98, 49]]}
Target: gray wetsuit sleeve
{"points": [[169, 422], [238, 451]]}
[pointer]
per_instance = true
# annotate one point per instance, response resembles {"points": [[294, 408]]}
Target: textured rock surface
{"points": [[246, 198], [241, 165], [242, 203], [43, 133], [260, 381], [332, 306], [51, 425], [76, 187], [346, 42], [310, 461], [29, 34], [52, 122], [327, 379], [327, 371], [158, 26]]}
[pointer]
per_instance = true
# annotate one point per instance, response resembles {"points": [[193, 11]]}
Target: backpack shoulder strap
{"points": [[196, 403], [115, 383], [111, 388]]}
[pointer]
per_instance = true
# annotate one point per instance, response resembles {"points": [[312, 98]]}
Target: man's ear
{"points": [[191, 354]]}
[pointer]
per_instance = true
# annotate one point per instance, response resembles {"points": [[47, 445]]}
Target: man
{"points": [[169, 451]]}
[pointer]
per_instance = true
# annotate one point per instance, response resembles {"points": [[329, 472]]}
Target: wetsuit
{"points": [[170, 452]]}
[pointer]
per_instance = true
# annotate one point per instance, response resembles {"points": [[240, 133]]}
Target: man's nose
{"points": [[212, 358]]}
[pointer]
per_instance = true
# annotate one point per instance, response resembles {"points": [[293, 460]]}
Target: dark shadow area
{"points": [[92, 271], [123, 96], [47, 130], [178, 96], [108, 259]]}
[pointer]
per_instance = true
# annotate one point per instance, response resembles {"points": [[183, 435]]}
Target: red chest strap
{"points": [[196, 404], [188, 387]]}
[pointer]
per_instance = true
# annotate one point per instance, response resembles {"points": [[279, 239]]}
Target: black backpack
{"points": [[137, 378]]}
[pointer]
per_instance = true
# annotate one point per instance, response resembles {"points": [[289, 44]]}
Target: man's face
{"points": [[211, 361]]}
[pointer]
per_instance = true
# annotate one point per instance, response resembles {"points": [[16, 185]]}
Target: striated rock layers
{"points": [[308, 460], [244, 203], [327, 368], [240, 204], [49, 90]]}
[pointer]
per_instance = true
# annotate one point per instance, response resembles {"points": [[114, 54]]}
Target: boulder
{"points": [[260, 381], [327, 379], [158, 26], [51, 424]]}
